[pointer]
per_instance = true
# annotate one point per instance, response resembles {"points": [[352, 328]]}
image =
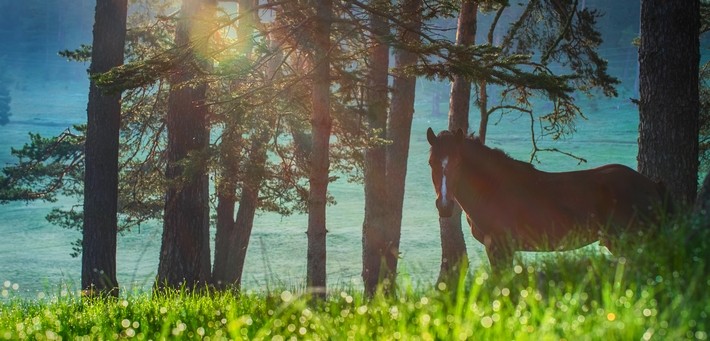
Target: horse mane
{"points": [[474, 144]]}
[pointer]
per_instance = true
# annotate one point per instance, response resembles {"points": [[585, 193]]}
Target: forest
{"points": [[203, 114]]}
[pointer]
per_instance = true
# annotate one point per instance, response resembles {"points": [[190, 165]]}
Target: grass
{"points": [[660, 291]]}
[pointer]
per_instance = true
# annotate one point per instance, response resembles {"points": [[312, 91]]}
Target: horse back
{"points": [[630, 198]]}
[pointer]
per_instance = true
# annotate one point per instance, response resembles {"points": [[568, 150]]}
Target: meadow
{"points": [[658, 291]]}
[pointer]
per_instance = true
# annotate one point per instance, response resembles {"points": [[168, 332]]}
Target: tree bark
{"points": [[321, 124], [453, 246], [669, 103], [375, 173], [185, 249], [98, 265]]}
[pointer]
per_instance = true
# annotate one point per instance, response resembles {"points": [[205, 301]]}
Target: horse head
{"points": [[445, 161]]}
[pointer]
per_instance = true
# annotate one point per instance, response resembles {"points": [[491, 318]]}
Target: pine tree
{"points": [[669, 105], [185, 247], [98, 270]]}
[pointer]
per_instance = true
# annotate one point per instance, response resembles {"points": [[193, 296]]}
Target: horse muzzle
{"points": [[445, 210]]}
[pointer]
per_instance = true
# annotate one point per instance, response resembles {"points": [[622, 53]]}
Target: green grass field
{"points": [[659, 291]]}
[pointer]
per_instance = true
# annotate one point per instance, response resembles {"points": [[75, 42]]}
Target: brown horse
{"points": [[511, 206]]}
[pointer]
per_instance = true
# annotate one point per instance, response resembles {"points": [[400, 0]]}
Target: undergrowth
{"points": [[659, 290]]}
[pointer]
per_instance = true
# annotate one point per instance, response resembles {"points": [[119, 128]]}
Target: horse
{"points": [[511, 206]]}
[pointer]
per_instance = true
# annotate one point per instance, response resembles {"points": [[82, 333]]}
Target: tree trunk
{"points": [[483, 109], [98, 264], [185, 249], [453, 246], [669, 103], [702, 203], [226, 270], [233, 254], [399, 131], [321, 123], [226, 199], [374, 225]]}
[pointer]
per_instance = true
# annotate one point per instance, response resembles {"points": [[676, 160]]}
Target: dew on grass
{"points": [[424, 300], [486, 322], [51, 335], [425, 319], [286, 296]]}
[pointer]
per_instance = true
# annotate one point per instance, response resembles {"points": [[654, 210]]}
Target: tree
{"points": [[385, 167], [375, 225], [185, 248], [98, 265], [669, 96], [321, 123], [399, 130], [232, 236], [453, 247]]}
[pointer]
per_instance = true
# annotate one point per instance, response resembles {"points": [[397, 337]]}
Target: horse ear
{"points": [[459, 136], [430, 136]]}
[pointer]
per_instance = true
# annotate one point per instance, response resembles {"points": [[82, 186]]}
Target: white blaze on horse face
{"points": [[444, 162]]}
